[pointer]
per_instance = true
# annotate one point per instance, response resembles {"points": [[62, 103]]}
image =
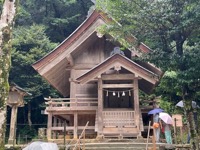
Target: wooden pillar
{"points": [[59, 122], [73, 84], [75, 125], [55, 125], [49, 125], [136, 103], [73, 95], [13, 120], [100, 107], [73, 74]]}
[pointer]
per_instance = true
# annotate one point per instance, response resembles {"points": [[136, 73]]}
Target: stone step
{"points": [[113, 146]]}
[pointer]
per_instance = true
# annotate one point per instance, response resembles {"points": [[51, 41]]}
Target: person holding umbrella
{"points": [[156, 122], [157, 126], [166, 122]]}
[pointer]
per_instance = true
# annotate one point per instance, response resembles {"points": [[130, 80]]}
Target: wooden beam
{"points": [[59, 122], [49, 126], [72, 111], [70, 59], [117, 85], [71, 128], [55, 125], [136, 103], [72, 84], [75, 125], [100, 107], [118, 77]]}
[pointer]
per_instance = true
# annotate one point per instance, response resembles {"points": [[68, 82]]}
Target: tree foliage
{"points": [[172, 29], [61, 17], [39, 27], [29, 45], [8, 11]]}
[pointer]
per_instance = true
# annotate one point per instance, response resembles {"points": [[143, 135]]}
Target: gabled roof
{"points": [[147, 77], [75, 35], [68, 41], [55, 66]]}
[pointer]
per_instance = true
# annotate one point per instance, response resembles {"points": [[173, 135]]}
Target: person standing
{"points": [[167, 132], [156, 126]]}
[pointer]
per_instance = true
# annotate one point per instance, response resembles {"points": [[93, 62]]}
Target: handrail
{"points": [[68, 102], [61, 99], [75, 103], [83, 133]]}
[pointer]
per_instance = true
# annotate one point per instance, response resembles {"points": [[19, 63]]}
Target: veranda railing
{"points": [[71, 103], [118, 118]]}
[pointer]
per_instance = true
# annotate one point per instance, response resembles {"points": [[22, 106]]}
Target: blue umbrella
{"points": [[155, 111]]}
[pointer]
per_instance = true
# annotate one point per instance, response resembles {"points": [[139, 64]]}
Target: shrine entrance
{"points": [[118, 98]]}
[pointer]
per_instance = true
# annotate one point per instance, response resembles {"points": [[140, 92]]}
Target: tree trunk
{"points": [[29, 115], [6, 22], [192, 126], [193, 131]]}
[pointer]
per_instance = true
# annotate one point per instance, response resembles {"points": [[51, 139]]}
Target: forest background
{"points": [[41, 25]]}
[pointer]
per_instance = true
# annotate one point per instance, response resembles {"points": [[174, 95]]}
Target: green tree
{"points": [[171, 29], [61, 17], [8, 11], [37, 24], [30, 43]]}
